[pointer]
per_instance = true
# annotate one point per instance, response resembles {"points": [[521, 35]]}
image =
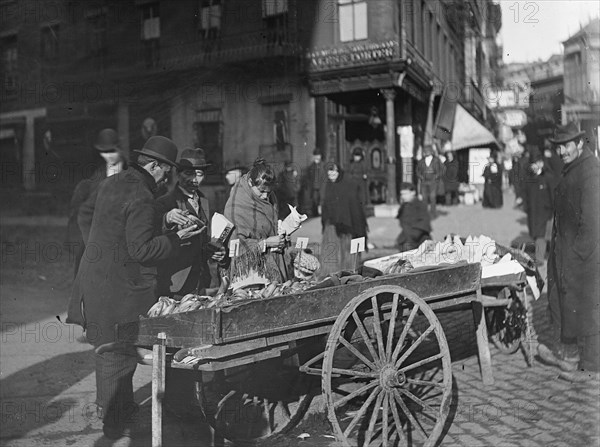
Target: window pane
{"points": [[204, 19], [360, 21], [346, 23], [215, 16]]}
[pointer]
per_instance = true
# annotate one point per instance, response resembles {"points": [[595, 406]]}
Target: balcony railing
{"points": [[353, 56]]}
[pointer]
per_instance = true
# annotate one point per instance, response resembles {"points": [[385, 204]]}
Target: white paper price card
{"points": [[302, 242], [234, 248], [357, 245]]}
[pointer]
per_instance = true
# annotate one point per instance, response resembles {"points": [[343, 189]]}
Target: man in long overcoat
{"points": [[429, 172], [107, 145], [573, 280], [116, 281]]}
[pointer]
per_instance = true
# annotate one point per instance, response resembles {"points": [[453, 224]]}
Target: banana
{"points": [[269, 290], [156, 309]]}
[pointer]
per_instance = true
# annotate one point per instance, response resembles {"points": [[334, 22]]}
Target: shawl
{"points": [[342, 207], [254, 219]]}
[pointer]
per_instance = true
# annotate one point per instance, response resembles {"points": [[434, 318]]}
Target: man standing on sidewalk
{"points": [[573, 280], [116, 281]]}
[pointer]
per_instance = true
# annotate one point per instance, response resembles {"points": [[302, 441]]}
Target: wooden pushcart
{"points": [[377, 345]]}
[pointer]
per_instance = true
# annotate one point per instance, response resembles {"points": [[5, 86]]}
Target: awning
{"points": [[467, 132]]}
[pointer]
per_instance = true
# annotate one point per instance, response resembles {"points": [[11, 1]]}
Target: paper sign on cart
{"points": [[533, 286], [234, 248], [302, 242], [357, 245]]}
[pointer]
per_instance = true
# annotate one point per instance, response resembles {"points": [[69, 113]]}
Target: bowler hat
{"points": [[107, 140], [317, 151], [193, 159], [161, 149], [564, 134]]}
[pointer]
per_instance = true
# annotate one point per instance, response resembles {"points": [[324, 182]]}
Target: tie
{"points": [[194, 202]]}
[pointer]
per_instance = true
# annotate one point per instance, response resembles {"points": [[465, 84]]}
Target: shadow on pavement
{"points": [[29, 395]]}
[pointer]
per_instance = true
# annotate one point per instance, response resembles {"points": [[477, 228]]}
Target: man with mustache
{"points": [[573, 280]]}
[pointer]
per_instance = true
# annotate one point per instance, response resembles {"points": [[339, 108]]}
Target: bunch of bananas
{"points": [[168, 306], [163, 306]]}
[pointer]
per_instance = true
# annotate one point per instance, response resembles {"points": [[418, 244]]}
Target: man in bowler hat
{"points": [[107, 145], [573, 280], [116, 281]]}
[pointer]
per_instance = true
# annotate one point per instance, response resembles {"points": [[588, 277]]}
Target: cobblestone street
{"points": [[48, 386]]}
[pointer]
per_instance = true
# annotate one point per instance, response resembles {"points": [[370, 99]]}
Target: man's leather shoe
{"points": [[548, 357], [116, 432], [580, 376]]}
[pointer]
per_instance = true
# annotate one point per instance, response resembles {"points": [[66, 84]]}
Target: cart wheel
{"points": [[387, 376], [250, 403], [507, 324]]}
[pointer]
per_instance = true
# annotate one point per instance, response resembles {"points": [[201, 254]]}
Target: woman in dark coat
{"points": [[492, 190], [343, 219]]}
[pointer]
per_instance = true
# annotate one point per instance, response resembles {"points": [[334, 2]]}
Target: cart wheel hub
{"points": [[391, 378]]}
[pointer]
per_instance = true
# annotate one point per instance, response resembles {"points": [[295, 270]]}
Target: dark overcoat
{"points": [[83, 190], [186, 270], [575, 251], [537, 199], [116, 281]]}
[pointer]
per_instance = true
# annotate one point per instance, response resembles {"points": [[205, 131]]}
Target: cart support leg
{"points": [[158, 388], [485, 359]]}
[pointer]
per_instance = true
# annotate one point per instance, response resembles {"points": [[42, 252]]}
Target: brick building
{"points": [[239, 78]]}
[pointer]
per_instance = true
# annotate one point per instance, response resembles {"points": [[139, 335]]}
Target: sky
{"points": [[534, 30]]}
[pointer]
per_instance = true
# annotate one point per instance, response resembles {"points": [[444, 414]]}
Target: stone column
{"points": [[390, 142]]}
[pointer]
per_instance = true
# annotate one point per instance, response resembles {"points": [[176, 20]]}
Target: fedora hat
{"points": [[107, 141], [564, 134], [193, 159], [161, 149]]}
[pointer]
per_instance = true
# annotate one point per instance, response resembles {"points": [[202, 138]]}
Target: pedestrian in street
{"points": [[451, 178], [429, 172], [252, 208], [287, 189], [114, 161], [573, 280], [343, 219], [538, 202], [116, 281], [358, 171], [492, 189], [311, 184], [414, 219], [186, 270]]}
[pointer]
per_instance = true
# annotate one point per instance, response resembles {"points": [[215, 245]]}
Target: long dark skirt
{"points": [[335, 252], [492, 195]]}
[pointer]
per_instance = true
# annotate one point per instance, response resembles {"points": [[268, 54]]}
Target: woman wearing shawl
{"points": [[252, 208], [343, 219]]}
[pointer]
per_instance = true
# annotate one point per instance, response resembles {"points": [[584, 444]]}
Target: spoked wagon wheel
{"points": [[507, 325], [250, 403], [387, 376]]}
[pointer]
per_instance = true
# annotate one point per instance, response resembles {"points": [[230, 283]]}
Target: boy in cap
{"points": [[414, 219]]}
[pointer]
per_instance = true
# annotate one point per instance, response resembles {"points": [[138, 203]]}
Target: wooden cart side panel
{"points": [[264, 317], [274, 315], [183, 330]]}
